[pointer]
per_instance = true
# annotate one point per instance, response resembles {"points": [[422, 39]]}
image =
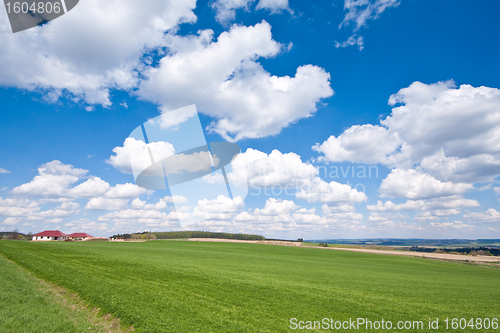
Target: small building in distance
{"points": [[81, 236], [50, 235]]}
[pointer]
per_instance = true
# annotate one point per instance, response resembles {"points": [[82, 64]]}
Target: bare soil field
{"points": [[439, 256]]}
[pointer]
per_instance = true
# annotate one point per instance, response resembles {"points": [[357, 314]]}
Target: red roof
{"points": [[80, 235], [50, 233]]}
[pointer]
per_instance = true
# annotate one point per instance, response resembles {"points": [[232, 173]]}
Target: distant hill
{"points": [[413, 242]]}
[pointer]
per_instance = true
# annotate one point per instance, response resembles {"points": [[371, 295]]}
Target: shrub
{"points": [[14, 235], [480, 253]]}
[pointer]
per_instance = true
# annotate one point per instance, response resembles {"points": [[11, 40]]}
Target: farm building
{"points": [[80, 236], [50, 235]]}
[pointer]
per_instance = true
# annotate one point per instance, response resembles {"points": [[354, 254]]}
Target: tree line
{"points": [[188, 234]]}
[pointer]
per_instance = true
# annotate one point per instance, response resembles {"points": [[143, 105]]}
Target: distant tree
{"points": [[300, 240], [480, 253], [14, 235], [148, 236], [205, 234]]}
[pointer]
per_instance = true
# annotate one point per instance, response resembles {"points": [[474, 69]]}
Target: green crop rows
{"points": [[172, 286]]}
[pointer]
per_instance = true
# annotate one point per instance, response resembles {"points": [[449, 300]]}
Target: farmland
{"points": [[177, 286], [28, 305]]}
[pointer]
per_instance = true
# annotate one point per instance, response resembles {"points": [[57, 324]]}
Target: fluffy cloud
{"points": [[491, 215], [382, 217], [18, 210], [53, 184], [340, 212], [333, 193], [53, 180], [18, 207], [438, 118], [305, 217], [413, 184], [96, 187], [2, 170], [275, 6], [360, 144], [476, 168], [125, 191], [106, 204], [226, 9], [130, 217], [223, 76], [91, 188], [445, 226], [65, 210], [95, 47], [142, 214], [160, 205], [425, 210], [135, 156], [11, 221], [222, 208], [436, 125], [453, 202], [110, 198], [274, 211], [276, 169], [286, 216], [191, 162], [440, 141], [85, 225], [288, 174], [277, 207]]}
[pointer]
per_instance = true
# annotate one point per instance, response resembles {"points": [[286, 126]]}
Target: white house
{"points": [[50, 235], [80, 236]]}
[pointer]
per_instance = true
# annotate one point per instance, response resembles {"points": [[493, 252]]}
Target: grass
{"points": [[30, 305], [225, 287]]}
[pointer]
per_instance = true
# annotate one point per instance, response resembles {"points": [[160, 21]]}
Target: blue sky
{"points": [[405, 89]]}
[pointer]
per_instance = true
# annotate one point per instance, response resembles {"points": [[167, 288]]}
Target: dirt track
{"points": [[439, 256]]}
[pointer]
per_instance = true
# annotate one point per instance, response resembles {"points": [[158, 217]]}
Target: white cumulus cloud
{"points": [[135, 155], [106, 204], [416, 185], [439, 140], [490, 215], [93, 48], [225, 82]]}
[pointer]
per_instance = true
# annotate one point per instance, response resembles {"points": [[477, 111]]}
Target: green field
{"points": [[177, 286], [28, 305]]}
